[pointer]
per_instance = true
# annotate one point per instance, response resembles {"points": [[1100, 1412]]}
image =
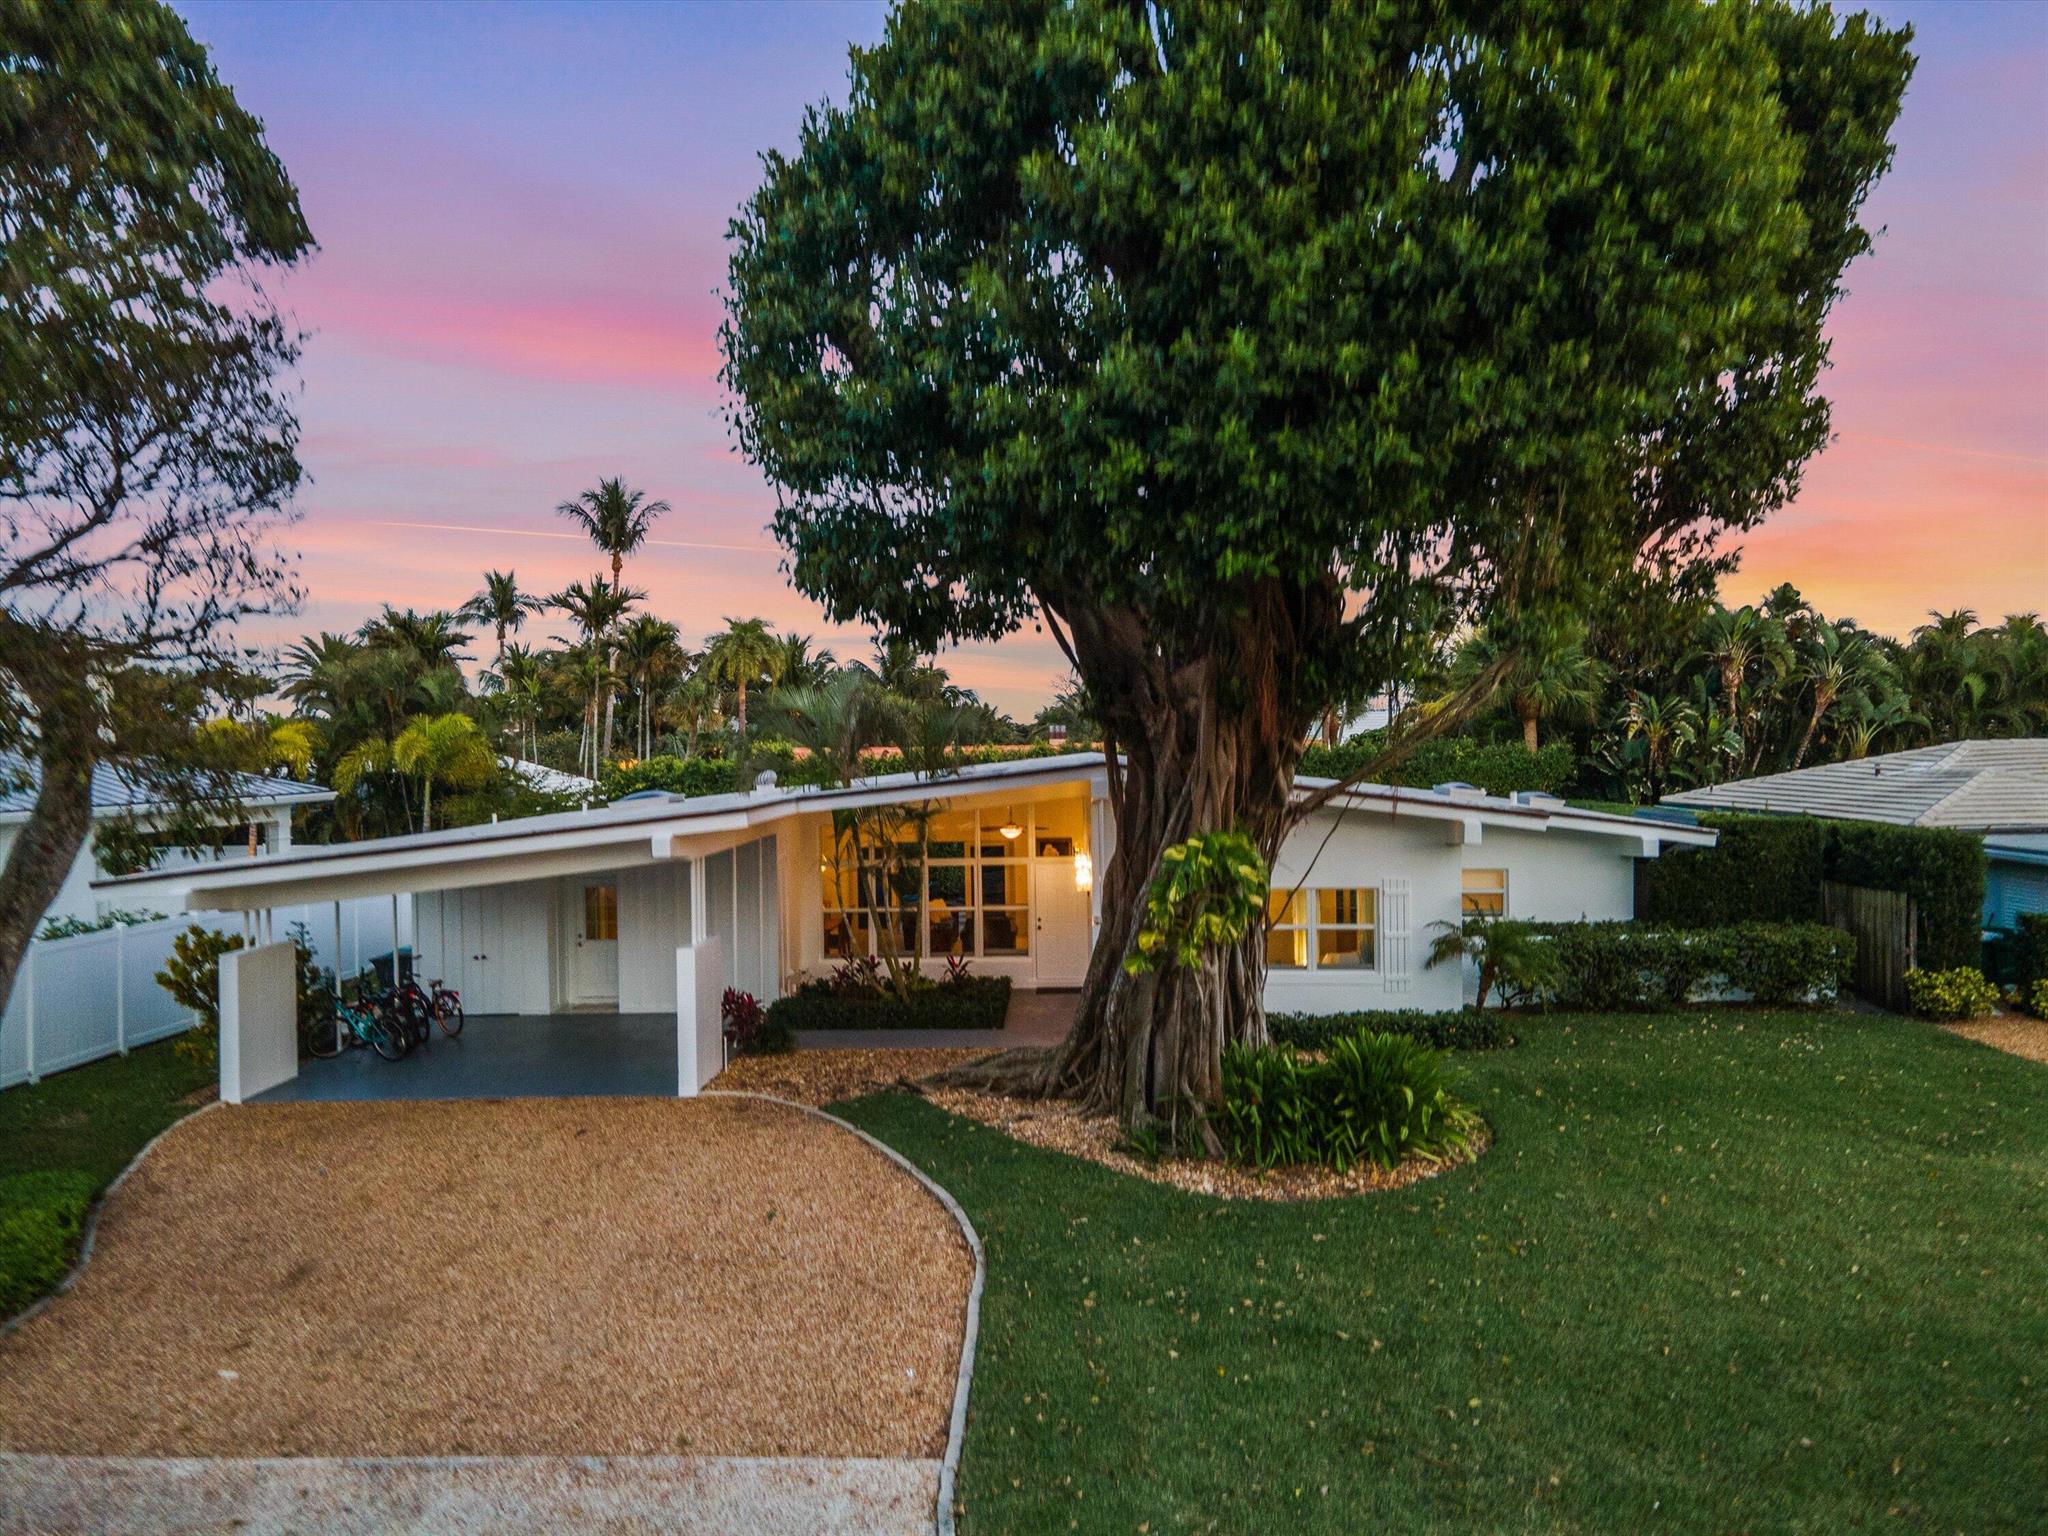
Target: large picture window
{"points": [[1328, 929], [957, 886]]}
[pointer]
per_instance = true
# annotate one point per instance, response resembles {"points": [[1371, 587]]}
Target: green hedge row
{"points": [[1468, 1030], [1770, 868], [1627, 967], [1498, 767], [724, 775], [978, 1002]]}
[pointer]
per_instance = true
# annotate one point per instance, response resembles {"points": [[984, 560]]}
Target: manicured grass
{"points": [[62, 1142], [1741, 1273]]}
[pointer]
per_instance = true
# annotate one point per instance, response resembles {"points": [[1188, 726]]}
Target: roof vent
{"points": [[1458, 789], [764, 781], [1539, 800], [643, 794]]}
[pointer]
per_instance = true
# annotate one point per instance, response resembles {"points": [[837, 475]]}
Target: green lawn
{"points": [[62, 1142], [1753, 1273]]}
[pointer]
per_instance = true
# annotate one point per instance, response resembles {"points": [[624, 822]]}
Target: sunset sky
{"points": [[522, 209]]}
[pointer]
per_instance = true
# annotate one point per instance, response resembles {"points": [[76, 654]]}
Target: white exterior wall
{"points": [[76, 897], [259, 1020], [654, 921], [1401, 859], [492, 943], [1556, 877]]}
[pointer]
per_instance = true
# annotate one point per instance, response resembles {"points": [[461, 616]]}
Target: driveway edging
{"points": [[91, 1230], [956, 1433]]}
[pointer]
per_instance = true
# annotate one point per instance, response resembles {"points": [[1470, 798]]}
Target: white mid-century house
{"points": [[602, 911], [262, 825]]}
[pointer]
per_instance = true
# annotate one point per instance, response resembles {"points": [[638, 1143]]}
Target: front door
{"points": [[591, 924], [1060, 926]]}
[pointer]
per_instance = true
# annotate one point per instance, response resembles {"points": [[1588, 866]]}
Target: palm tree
{"points": [[429, 642], [1665, 727], [904, 671], [502, 606], [443, 749], [648, 657], [1835, 658], [1552, 677], [804, 664], [595, 608], [1511, 956], [520, 673], [617, 519], [743, 653], [1876, 719], [694, 701], [1737, 641], [320, 675]]}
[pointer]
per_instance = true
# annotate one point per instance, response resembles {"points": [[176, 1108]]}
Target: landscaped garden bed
{"points": [[1719, 1270], [837, 1002]]}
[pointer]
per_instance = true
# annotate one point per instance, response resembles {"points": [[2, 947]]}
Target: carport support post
{"points": [[259, 1024], [700, 1025]]}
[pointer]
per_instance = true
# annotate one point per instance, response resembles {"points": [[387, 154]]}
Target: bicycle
{"points": [[445, 1003], [355, 1024]]}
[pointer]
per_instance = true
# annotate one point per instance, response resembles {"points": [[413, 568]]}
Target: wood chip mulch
{"points": [[521, 1277], [1059, 1125], [2012, 1032], [826, 1077]]}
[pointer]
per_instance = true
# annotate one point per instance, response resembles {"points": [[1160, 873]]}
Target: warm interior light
{"points": [[1010, 831], [1084, 872]]}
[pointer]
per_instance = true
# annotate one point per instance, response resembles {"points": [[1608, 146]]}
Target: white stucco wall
{"points": [[259, 1020], [654, 920], [1556, 877], [76, 897], [491, 943]]}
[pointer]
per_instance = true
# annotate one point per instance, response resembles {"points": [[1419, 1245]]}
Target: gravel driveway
{"points": [[565, 1277]]}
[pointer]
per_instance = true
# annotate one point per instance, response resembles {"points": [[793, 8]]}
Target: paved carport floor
{"points": [[506, 1056], [366, 1290]]}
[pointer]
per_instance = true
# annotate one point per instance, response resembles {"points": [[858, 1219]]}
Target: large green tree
{"points": [[147, 432], [1224, 339]]}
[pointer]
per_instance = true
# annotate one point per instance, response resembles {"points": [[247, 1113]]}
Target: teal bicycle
{"points": [[356, 1024]]}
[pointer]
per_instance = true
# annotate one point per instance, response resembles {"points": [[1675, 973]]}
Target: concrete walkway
{"points": [[1035, 1018]]}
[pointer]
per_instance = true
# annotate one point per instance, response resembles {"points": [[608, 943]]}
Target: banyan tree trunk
{"points": [[1209, 739]]}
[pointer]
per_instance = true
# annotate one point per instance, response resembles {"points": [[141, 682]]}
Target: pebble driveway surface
{"points": [[716, 1301]]}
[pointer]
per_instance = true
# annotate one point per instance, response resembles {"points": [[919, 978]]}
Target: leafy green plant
{"points": [[977, 1002], [73, 927], [1625, 967], [1516, 963], [2035, 999], [1959, 993], [192, 976], [1376, 1097], [1207, 894], [1465, 1030]]}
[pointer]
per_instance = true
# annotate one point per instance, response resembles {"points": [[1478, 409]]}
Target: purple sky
{"points": [[522, 215]]}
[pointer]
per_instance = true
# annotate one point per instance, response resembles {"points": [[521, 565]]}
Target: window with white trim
{"points": [[1485, 893], [1328, 929]]}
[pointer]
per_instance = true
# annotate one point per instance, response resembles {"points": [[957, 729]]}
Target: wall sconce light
{"points": [[1084, 872]]}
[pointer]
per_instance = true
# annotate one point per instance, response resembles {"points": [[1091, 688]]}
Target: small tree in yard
{"points": [[147, 453], [1515, 962], [1248, 347]]}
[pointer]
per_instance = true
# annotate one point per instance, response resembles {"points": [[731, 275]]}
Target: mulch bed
{"points": [[520, 1277], [2013, 1032], [826, 1077]]}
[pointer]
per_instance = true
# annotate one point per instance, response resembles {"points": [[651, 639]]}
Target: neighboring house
{"points": [[551, 781], [262, 824], [586, 910], [1996, 789]]}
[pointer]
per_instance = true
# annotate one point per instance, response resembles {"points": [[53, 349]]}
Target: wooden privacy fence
{"points": [[1883, 924]]}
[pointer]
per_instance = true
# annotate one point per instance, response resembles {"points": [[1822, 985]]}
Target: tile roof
{"points": [[1974, 786]]}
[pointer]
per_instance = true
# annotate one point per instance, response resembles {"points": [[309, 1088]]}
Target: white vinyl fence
{"points": [[96, 994]]}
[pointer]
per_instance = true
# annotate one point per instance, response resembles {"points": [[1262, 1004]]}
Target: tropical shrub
{"points": [[73, 927], [749, 1031], [1960, 993], [192, 977], [974, 1002], [1467, 1030], [1375, 1097], [1516, 963], [2036, 999], [2030, 960], [1628, 968]]}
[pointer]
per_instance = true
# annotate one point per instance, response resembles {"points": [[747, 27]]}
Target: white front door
{"points": [[590, 921], [1061, 933]]}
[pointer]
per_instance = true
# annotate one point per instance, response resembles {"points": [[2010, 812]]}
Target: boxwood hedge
{"points": [[1628, 967], [976, 1002]]}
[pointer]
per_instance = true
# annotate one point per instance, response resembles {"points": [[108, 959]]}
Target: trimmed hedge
{"points": [[1629, 968], [2030, 956], [724, 775], [977, 1002], [1499, 768], [1962, 993], [1468, 1030], [1770, 869]]}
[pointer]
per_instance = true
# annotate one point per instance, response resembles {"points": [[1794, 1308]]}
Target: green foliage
{"points": [[1498, 767], [2035, 998], [41, 1216], [2030, 959], [1959, 993], [1207, 894], [1466, 1030], [1628, 967], [192, 976], [1373, 1097], [1516, 963], [972, 1002], [1765, 869], [1770, 869], [72, 927], [1941, 869]]}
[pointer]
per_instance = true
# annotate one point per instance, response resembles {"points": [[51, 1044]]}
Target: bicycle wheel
{"points": [[388, 1038], [323, 1040], [448, 1009]]}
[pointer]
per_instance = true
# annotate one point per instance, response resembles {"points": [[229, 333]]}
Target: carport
{"points": [[505, 1056]]}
